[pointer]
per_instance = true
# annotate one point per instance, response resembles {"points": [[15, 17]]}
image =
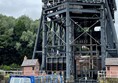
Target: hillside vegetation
{"points": [[17, 37]]}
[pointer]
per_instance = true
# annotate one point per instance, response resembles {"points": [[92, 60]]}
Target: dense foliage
{"points": [[17, 37]]}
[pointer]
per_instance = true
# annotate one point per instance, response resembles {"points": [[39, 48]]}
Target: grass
{"points": [[109, 80]]}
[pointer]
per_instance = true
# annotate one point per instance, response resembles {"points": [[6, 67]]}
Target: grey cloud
{"points": [[16, 8]]}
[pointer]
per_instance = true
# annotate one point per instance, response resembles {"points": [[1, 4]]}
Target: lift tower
{"points": [[77, 36]]}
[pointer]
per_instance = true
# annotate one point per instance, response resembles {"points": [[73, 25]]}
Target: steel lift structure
{"points": [[77, 36]]}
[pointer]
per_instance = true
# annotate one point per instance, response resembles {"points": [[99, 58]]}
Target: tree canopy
{"points": [[17, 37]]}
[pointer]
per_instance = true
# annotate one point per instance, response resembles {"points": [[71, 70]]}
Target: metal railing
{"points": [[86, 1], [2, 72], [49, 79], [102, 74]]}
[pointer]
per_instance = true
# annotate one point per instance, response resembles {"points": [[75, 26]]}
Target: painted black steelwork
{"points": [[77, 36]]}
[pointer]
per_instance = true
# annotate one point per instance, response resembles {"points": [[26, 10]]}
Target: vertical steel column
{"points": [[59, 34], [72, 52], [68, 41], [43, 66], [109, 34], [103, 42], [112, 25], [64, 40], [37, 37], [53, 36]]}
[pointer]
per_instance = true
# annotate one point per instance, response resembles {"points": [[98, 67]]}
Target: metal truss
{"points": [[70, 43]]}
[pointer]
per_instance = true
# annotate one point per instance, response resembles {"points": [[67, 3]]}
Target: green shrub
{"points": [[1, 77], [5, 67], [14, 66], [6, 79], [112, 80], [109, 80], [10, 67]]}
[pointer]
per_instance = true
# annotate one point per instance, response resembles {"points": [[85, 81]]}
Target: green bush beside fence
{"points": [[3, 79], [109, 80]]}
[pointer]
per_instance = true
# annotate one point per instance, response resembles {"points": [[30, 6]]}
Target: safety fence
{"points": [[49, 79]]}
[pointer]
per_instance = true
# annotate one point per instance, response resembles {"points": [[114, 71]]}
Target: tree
{"points": [[24, 35], [17, 38], [6, 30], [7, 51]]}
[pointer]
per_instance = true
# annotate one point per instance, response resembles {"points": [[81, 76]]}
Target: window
{"points": [[108, 68], [32, 68], [20, 80], [27, 80]]}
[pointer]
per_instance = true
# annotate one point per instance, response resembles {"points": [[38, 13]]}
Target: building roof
{"points": [[29, 62], [111, 61]]}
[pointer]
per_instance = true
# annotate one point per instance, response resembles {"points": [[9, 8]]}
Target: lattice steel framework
{"points": [[77, 36]]}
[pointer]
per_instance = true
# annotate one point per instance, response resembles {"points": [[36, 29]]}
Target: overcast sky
{"points": [[16, 8], [31, 8]]}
